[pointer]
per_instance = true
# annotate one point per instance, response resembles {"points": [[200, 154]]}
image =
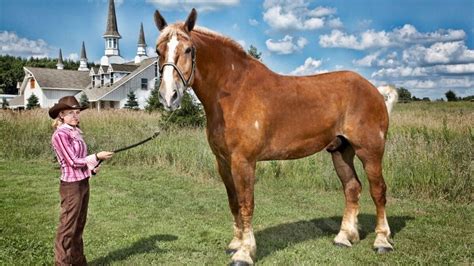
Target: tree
{"points": [[5, 103], [33, 102], [254, 52], [153, 102], [84, 101], [132, 101], [189, 115], [404, 95], [451, 96]]}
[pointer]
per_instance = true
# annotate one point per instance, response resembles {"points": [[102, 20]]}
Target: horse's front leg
{"points": [[243, 175], [226, 175]]}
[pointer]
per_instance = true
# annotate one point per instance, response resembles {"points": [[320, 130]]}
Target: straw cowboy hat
{"points": [[67, 102]]}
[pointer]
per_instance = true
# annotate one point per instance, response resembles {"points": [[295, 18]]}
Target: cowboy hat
{"points": [[67, 102]]}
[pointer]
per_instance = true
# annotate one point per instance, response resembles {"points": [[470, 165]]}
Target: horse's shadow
{"points": [[144, 245], [282, 236]]}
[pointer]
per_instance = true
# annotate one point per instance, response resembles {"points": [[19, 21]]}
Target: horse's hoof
{"points": [[230, 251], [239, 263], [341, 245], [383, 250]]}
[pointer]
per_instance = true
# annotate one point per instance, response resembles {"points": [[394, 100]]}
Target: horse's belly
{"points": [[294, 149]]}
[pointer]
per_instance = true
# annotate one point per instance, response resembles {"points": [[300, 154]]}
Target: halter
{"points": [[180, 73]]}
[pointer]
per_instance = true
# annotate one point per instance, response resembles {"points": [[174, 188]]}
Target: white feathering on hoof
{"points": [[390, 94]]}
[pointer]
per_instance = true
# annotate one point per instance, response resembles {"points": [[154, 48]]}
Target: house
{"points": [[106, 86]]}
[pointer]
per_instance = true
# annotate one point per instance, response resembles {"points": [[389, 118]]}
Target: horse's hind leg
{"points": [[343, 160], [226, 175], [372, 161]]}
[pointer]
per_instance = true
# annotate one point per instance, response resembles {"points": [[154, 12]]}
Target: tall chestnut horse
{"points": [[254, 114]]}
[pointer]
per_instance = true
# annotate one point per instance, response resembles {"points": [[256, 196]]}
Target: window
{"points": [[115, 43], [111, 78], [102, 80], [156, 69], [112, 104], [144, 84], [32, 83]]}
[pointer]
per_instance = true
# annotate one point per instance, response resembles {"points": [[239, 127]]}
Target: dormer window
{"points": [[32, 83]]}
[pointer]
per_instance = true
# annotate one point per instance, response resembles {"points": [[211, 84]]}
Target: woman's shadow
{"points": [[282, 236], [144, 245]]}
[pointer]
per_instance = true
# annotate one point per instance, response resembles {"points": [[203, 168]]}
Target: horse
{"points": [[254, 114]]}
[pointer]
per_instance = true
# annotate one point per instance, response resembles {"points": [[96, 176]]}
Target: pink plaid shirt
{"points": [[71, 151]]}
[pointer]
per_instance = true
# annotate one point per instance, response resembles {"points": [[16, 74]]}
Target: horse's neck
{"points": [[217, 65]]}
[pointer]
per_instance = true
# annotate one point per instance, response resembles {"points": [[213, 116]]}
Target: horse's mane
{"points": [[177, 28]]}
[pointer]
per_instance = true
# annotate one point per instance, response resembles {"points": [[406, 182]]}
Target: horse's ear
{"points": [[191, 20], [160, 21]]}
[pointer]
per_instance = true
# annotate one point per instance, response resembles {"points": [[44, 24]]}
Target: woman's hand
{"points": [[104, 155]]}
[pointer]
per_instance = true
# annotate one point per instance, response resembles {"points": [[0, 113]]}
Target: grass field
{"points": [[162, 203]]}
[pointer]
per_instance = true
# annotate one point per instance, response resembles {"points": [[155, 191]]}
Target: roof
{"points": [[96, 94], [123, 67], [49, 78], [17, 101], [141, 36], [111, 29]]}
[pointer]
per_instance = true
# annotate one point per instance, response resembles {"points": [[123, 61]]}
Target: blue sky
{"points": [[425, 46]]}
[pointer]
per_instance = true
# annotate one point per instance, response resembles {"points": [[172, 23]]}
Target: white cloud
{"points": [[310, 66], [253, 22], [398, 37], [242, 43], [187, 5], [407, 71], [286, 45], [285, 15], [12, 44], [151, 52], [73, 57], [335, 23], [374, 60], [438, 53]]}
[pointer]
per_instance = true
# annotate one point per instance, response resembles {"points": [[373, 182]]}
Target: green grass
{"points": [[143, 216]]}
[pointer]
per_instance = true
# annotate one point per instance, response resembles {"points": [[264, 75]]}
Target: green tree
{"points": [[33, 102], [84, 101], [404, 95], [153, 102], [189, 115], [5, 103], [451, 96], [131, 101], [254, 53]]}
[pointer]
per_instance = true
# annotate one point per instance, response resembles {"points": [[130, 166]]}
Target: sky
{"points": [[424, 46]]}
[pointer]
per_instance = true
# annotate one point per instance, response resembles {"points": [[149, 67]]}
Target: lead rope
{"points": [[138, 143]]}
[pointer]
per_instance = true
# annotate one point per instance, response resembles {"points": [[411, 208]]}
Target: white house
{"points": [[106, 86]]}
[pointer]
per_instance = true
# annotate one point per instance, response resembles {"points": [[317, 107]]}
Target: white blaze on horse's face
{"points": [[171, 89]]}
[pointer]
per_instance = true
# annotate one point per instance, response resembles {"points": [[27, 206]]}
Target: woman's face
{"points": [[71, 116]]}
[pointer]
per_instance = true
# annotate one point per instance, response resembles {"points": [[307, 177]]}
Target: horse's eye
{"points": [[188, 50]]}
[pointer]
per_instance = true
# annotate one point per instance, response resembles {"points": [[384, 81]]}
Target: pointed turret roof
{"points": [[112, 29], [141, 37], [60, 58], [83, 51]]}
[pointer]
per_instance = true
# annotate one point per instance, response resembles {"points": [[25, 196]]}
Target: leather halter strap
{"points": [[180, 73]]}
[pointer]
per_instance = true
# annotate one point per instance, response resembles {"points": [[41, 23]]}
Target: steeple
{"points": [[60, 64], [141, 50], [83, 60], [111, 30], [111, 36]]}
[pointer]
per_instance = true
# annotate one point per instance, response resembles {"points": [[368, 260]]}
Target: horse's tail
{"points": [[390, 94]]}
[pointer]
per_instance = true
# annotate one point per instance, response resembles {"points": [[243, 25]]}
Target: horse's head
{"points": [[177, 56]]}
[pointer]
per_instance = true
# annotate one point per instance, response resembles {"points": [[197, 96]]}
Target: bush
{"points": [[189, 115]]}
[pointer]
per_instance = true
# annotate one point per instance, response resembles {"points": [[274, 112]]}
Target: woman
{"points": [[76, 168]]}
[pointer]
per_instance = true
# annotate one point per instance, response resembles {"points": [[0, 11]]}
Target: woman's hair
{"points": [[57, 122]]}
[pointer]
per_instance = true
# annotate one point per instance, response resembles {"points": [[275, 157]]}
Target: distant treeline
{"points": [[11, 69]]}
